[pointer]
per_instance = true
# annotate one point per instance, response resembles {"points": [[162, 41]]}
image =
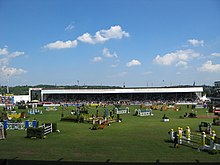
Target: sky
{"points": [[136, 43]]}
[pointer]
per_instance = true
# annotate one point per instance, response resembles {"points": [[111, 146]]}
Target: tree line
{"points": [[24, 90]]}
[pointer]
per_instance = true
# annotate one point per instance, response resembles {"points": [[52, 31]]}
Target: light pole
{"points": [[7, 83], [78, 83], [123, 84]]}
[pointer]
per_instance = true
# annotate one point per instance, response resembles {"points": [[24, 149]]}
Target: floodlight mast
{"points": [[7, 83], [78, 84]]}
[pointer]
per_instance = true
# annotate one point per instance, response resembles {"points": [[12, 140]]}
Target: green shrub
{"points": [[213, 151], [22, 107], [29, 106], [95, 126], [35, 132], [39, 105], [69, 118], [54, 127], [192, 115], [81, 119], [73, 118]]}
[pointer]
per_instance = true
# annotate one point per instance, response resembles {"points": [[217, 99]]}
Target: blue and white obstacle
{"points": [[19, 126], [34, 111]]}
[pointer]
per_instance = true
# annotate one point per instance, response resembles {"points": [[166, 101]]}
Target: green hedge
{"points": [[35, 132], [54, 127], [95, 126], [73, 118], [21, 106], [70, 118]]}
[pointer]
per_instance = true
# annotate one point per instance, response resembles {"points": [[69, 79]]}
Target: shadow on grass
{"points": [[191, 145], [167, 141], [60, 162]]}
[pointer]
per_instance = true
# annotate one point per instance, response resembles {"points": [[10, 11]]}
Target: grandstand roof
{"points": [[123, 90]]}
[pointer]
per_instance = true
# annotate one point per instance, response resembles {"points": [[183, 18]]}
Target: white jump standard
{"points": [[121, 110], [2, 131], [144, 112]]}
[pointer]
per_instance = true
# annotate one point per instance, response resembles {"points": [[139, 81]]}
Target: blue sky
{"points": [[109, 42]]}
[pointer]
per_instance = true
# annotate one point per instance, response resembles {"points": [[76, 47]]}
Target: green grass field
{"points": [[135, 139]]}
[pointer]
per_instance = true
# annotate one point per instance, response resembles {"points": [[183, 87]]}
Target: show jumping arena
{"points": [[123, 137]]}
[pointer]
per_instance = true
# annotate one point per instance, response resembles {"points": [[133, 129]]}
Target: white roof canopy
{"points": [[133, 90]]}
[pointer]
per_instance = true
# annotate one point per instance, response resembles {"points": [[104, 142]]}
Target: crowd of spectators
{"points": [[122, 98]]}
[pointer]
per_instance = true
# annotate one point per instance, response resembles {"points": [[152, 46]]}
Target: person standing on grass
{"points": [[97, 112], [212, 143], [176, 144], [180, 135], [213, 134], [187, 132], [171, 132], [203, 136]]}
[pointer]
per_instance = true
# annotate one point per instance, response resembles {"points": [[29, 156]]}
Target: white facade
{"points": [[197, 90], [18, 98]]}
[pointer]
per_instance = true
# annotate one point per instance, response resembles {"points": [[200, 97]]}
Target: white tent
{"points": [[204, 98]]}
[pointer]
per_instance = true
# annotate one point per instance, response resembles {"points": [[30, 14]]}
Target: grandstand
{"points": [[171, 94]]}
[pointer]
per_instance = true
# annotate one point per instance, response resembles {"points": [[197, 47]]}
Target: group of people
{"points": [[177, 136]]}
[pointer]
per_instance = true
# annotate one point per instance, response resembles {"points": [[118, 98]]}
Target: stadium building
{"points": [[188, 93]]}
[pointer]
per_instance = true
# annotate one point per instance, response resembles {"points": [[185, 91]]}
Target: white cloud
{"points": [[86, 37], [97, 59], [133, 63], [167, 59], [3, 51], [5, 60], [69, 27], [107, 54], [10, 71], [182, 64], [61, 44], [195, 42], [209, 67], [179, 55], [16, 54], [115, 32], [215, 54], [7, 54]]}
